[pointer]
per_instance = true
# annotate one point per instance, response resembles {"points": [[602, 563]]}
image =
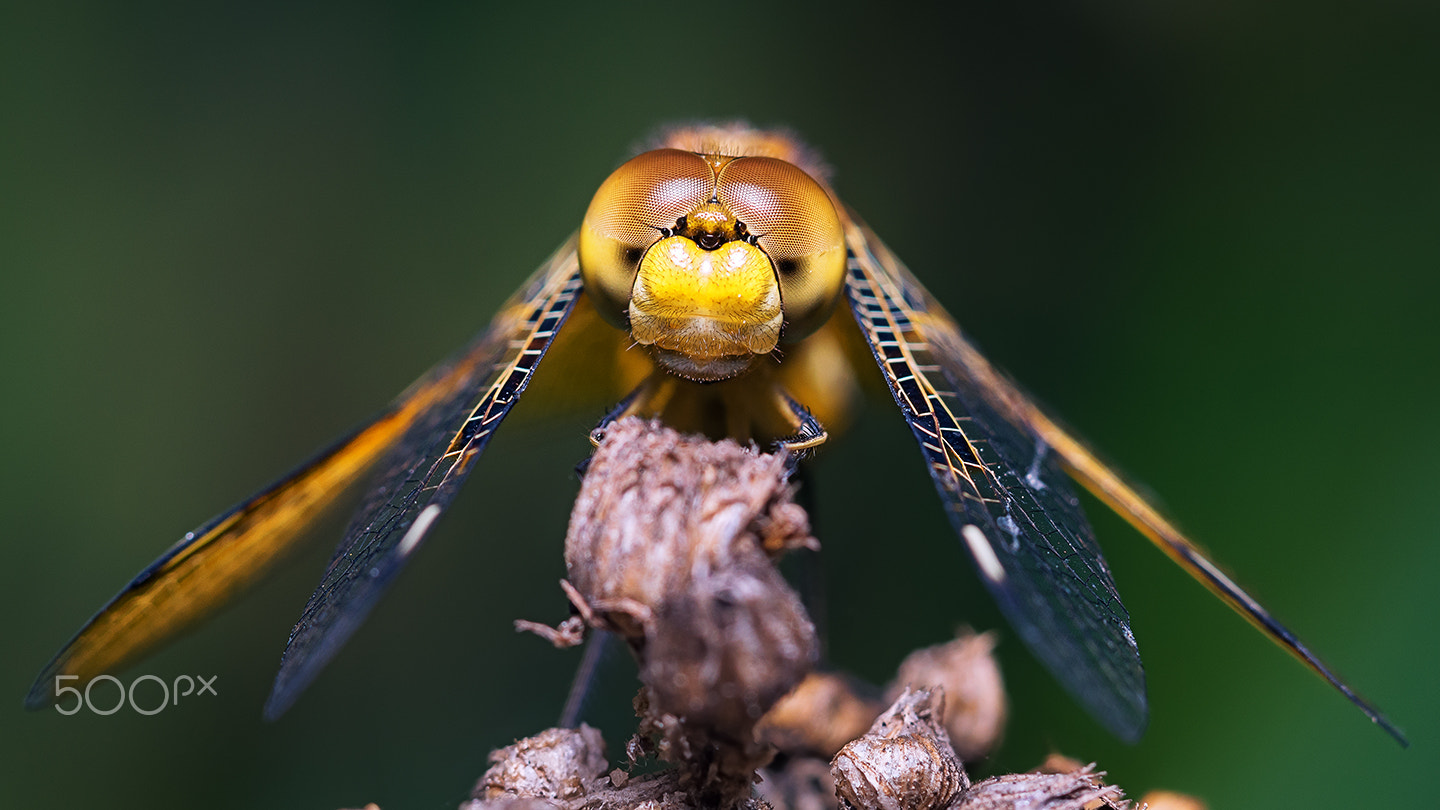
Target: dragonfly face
{"points": [[710, 259], [715, 250]]}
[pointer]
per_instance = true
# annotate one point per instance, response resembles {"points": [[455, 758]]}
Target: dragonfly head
{"points": [[712, 260]]}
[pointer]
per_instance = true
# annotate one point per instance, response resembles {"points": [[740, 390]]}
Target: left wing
{"points": [[1004, 492], [996, 457], [424, 471]]}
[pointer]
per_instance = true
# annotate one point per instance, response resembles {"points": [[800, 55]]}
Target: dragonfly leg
{"points": [[642, 400], [649, 396], [808, 435]]}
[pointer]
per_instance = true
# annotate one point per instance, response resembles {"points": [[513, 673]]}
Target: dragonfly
{"points": [[720, 280]]}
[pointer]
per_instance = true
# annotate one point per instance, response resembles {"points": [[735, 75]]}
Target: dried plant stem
{"points": [[671, 546]]}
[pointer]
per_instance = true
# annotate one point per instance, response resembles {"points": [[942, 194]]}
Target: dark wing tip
{"points": [[323, 629], [1129, 727], [302, 663], [1119, 703], [289, 684], [287, 689], [41, 692], [1390, 728], [1378, 719]]}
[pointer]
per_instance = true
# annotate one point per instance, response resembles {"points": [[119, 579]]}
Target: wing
{"points": [[1004, 493], [424, 471], [216, 562], [1107, 485], [1060, 596], [219, 560]]}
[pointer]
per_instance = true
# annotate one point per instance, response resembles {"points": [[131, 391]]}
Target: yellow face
{"points": [[711, 260]]}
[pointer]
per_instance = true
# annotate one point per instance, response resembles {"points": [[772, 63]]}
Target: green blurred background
{"points": [[1205, 235]]}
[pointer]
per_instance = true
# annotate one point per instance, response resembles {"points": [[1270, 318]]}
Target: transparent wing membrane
{"points": [[995, 458], [1005, 496], [423, 472], [433, 432], [220, 560], [213, 564], [1002, 468]]}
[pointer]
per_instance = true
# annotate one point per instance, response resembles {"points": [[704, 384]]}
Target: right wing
{"points": [[422, 474], [218, 561]]}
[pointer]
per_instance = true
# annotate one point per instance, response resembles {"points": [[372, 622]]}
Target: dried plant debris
{"points": [[554, 764], [1084, 789], [1059, 783], [818, 717], [905, 761], [1057, 763], [828, 710], [566, 768], [567, 634], [670, 545], [726, 651], [655, 792], [659, 512], [717, 767], [975, 707], [1167, 800], [800, 783]]}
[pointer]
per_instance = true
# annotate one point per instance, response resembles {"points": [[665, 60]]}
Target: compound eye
{"points": [[796, 224], [627, 215]]}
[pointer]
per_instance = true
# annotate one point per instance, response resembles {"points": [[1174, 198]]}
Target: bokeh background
{"points": [[1205, 235]]}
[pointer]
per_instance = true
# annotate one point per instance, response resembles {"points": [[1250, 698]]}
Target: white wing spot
{"points": [[1011, 528], [984, 555], [1032, 475], [418, 529]]}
